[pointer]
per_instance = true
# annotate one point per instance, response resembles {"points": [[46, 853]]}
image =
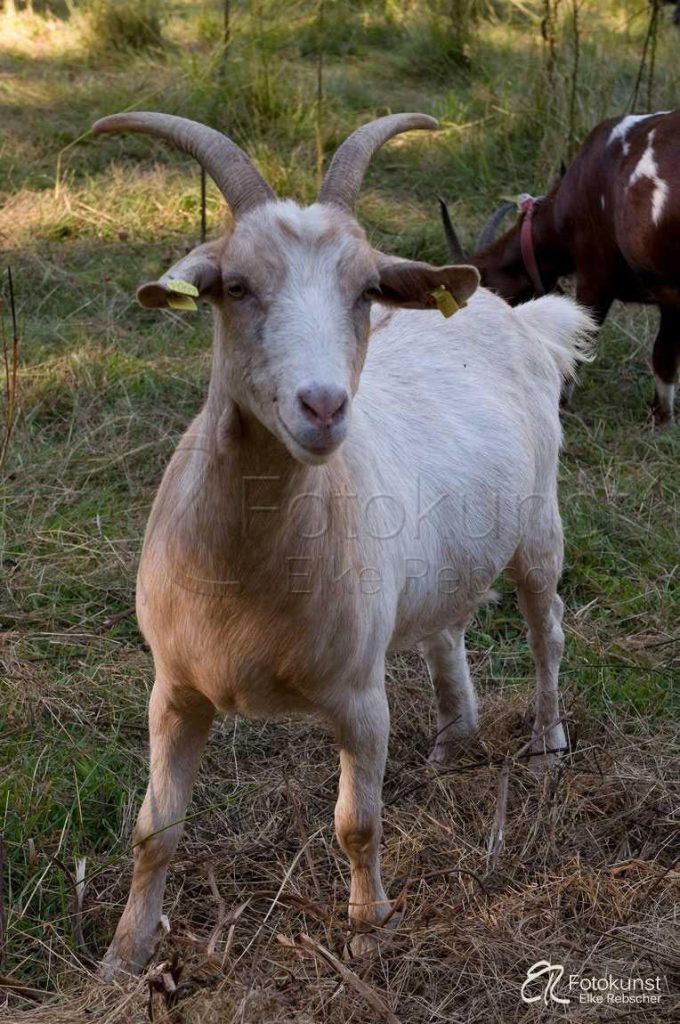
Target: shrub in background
{"points": [[125, 25]]}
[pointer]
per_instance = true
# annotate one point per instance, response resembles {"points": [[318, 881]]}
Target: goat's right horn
{"points": [[488, 232], [231, 169]]}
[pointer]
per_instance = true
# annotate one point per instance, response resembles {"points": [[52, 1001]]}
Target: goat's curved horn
{"points": [[488, 232], [346, 173], [456, 250], [238, 180]]}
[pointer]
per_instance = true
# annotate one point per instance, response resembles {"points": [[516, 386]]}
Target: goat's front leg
{"points": [[362, 730], [179, 722], [666, 362]]}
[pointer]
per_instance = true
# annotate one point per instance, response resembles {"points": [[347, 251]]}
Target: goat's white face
{"points": [[292, 289], [296, 292]]}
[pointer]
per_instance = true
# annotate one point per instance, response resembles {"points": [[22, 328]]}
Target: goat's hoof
{"points": [[662, 415], [121, 965], [115, 969], [540, 764], [547, 751], [368, 940], [662, 419], [460, 748], [363, 944]]}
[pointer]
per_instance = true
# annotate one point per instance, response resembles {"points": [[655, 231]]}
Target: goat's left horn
{"points": [[345, 175], [456, 250], [488, 232], [231, 169]]}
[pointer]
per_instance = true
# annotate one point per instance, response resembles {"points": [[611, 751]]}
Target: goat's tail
{"points": [[564, 328]]}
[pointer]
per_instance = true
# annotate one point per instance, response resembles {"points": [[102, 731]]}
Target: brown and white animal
{"points": [[613, 220], [354, 483]]}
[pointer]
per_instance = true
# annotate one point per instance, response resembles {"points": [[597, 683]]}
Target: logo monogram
{"points": [[552, 973]]}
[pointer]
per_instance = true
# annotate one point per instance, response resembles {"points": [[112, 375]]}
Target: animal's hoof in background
{"points": [[540, 764], [661, 416], [547, 751], [468, 748]]}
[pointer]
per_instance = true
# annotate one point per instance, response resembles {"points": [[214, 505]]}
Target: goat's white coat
{"points": [[448, 474]]}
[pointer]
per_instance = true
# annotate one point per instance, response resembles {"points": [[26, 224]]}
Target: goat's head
{"points": [[502, 262], [292, 287]]}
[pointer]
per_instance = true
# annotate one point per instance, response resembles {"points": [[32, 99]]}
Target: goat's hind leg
{"points": [[179, 722], [536, 570], [449, 672]]}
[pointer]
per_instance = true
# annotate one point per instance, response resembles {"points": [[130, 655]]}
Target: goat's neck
{"points": [[238, 501]]}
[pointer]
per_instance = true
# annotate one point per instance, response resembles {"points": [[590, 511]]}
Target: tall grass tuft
{"points": [[125, 26]]}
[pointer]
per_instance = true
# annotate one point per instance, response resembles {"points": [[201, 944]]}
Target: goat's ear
{"points": [[411, 284], [199, 270]]}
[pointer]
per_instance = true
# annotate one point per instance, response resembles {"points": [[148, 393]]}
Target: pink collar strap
{"points": [[527, 205]]}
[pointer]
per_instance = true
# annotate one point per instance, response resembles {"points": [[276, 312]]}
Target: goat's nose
{"points": [[323, 405]]}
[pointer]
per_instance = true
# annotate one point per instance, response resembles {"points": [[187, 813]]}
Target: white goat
{"points": [[288, 550]]}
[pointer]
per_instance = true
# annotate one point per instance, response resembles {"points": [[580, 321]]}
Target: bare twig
{"points": [[221, 914], [232, 920], [118, 617], [368, 994], [10, 355], [2, 898], [226, 38], [297, 812], [225, 918], [319, 88], [203, 213], [575, 66], [77, 904], [497, 836], [549, 33], [654, 32], [36, 995], [650, 39], [226, 28]]}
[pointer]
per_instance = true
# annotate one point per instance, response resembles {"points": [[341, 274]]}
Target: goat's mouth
{"points": [[304, 450]]}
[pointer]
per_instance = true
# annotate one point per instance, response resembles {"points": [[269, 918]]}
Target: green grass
{"points": [[106, 388]]}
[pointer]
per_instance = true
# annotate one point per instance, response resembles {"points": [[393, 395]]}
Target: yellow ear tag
{"points": [[176, 284], [181, 302], [446, 303]]}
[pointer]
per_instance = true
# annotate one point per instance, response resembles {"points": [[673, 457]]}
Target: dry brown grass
{"points": [[588, 878]]}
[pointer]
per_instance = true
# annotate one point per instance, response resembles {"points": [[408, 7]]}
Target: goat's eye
{"points": [[236, 290], [371, 293]]}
